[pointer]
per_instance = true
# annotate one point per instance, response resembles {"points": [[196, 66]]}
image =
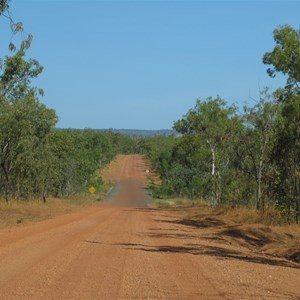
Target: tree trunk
{"points": [[213, 163], [297, 200], [219, 193], [258, 187], [289, 204], [7, 191], [213, 167], [44, 195]]}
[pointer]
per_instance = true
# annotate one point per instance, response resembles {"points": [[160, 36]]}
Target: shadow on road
{"points": [[205, 223], [222, 253]]}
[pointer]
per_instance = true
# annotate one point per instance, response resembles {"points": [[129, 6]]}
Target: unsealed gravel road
{"points": [[123, 250]]}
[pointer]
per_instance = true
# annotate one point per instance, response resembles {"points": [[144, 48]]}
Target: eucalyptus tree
{"points": [[214, 123], [260, 137], [191, 164], [286, 157], [25, 125], [24, 121], [285, 59]]}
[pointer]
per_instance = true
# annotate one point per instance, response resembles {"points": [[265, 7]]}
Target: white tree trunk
{"points": [[213, 167], [259, 176]]}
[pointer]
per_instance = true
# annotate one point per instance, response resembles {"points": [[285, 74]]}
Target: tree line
{"points": [[248, 158], [59, 163]]}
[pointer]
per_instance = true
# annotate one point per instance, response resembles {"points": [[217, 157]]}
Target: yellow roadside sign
{"points": [[92, 190]]}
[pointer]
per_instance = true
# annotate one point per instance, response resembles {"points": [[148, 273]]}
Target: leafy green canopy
{"points": [[285, 56]]}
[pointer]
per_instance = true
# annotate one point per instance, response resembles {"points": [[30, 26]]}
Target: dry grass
{"points": [[246, 215], [180, 203], [261, 232], [19, 212]]}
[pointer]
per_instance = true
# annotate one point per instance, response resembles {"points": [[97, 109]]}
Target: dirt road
{"points": [[124, 250]]}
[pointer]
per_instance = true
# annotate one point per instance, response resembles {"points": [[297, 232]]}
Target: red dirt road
{"points": [[124, 250]]}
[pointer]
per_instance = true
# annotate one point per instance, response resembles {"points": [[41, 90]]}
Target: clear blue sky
{"points": [[142, 64]]}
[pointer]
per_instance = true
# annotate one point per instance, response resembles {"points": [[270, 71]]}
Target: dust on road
{"points": [[123, 249]]}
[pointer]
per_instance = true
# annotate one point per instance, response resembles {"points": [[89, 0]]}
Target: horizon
{"points": [[162, 129]]}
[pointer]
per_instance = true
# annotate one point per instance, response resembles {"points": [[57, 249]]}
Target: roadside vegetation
{"points": [[23, 212], [239, 159]]}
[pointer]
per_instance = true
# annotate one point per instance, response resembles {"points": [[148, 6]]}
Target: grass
{"points": [[178, 203], [243, 226], [20, 212], [165, 203]]}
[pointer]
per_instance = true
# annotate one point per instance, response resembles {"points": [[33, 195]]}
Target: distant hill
{"points": [[133, 132], [141, 132]]}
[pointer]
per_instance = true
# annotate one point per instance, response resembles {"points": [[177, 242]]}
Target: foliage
{"points": [[25, 122], [247, 159], [285, 56], [260, 122], [214, 125], [78, 154]]}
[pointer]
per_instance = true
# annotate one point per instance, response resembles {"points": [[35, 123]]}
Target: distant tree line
{"points": [[140, 133], [36, 160], [249, 158]]}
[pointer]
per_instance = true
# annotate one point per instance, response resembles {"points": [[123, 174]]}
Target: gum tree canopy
{"points": [[285, 56], [25, 123]]}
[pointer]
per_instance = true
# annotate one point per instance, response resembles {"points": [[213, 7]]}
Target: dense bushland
{"points": [[250, 158], [60, 163]]}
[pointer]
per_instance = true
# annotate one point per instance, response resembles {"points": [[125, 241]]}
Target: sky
{"points": [[143, 64]]}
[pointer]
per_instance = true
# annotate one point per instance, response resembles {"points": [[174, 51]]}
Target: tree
{"points": [[16, 27], [159, 151], [260, 121], [15, 80], [213, 122], [285, 57], [24, 126], [191, 161], [24, 121]]}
